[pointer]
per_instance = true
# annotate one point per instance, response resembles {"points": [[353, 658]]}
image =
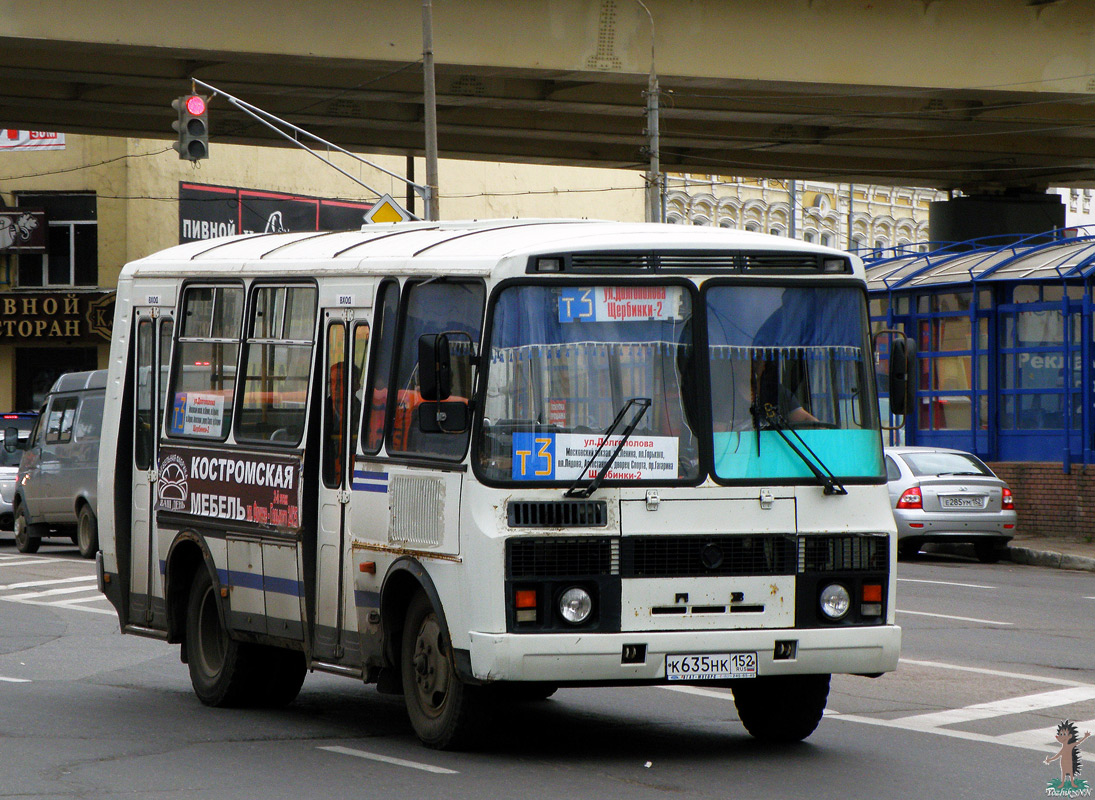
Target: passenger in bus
{"points": [[742, 387]]}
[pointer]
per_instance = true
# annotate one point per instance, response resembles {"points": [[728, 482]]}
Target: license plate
{"points": [[963, 502], [711, 666]]}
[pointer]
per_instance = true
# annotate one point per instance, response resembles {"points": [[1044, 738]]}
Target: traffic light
{"points": [[192, 126]]}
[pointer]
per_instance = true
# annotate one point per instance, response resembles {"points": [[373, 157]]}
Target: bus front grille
{"points": [[699, 556], [550, 558], [844, 553]]}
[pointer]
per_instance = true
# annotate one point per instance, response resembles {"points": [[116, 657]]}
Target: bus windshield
{"points": [[791, 396], [564, 359]]}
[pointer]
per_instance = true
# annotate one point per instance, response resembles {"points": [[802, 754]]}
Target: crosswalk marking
{"points": [[936, 723], [999, 708], [51, 582], [57, 592]]}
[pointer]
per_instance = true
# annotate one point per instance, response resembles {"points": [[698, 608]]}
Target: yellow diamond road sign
{"points": [[387, 210]]}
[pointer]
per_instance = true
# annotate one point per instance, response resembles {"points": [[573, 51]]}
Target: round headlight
{"points": [[835, 601], [575, 605]]}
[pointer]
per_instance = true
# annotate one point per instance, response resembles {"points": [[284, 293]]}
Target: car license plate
{"points": [[710, 666], [963, 502]]}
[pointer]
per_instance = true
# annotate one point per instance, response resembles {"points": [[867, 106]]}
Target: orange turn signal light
{"points": [[525, 598], [368, 567], [872, 593]]}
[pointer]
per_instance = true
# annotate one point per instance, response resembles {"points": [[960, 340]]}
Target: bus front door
{"points": [[346, 338], [153, 352]]}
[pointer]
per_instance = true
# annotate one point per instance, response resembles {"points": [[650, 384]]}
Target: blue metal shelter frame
{"points": [[1005, 337]]}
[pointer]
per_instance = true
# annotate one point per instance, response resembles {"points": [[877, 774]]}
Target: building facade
{"points": [[861, 218], [75, 209]]}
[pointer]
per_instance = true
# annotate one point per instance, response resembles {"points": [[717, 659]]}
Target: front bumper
{"points": [[598, 658]]}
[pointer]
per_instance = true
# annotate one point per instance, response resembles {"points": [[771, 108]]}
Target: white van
{"points": [[56, 490]]}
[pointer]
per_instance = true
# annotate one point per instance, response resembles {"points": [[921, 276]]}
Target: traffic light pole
{"points": [[272, 122]]}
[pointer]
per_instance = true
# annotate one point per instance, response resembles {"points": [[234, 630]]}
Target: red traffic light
{"points": [[195, 104]]}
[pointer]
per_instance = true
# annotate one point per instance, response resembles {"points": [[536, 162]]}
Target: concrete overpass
{"points": [[943, 93]]}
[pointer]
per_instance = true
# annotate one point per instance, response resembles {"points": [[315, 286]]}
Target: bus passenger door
{"points": [[346, 338], [153, 352]]}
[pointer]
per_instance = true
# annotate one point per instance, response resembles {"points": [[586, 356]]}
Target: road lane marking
{"points": [[994, 672], [14, 680], [1040, 738], [953, 734], [52, 582], [999, 708], [949, 616], [47, 593], [36, 561], [399, 762], [62, 604], [700, 692], [945, 583]]}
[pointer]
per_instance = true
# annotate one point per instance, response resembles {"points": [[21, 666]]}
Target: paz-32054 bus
{"points": [[473, 461]]}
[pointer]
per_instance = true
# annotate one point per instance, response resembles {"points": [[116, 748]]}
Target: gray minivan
{"points": [[56, 490]]}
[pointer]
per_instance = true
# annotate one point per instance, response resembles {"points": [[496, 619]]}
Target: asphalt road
{"points": [[994, 657]]}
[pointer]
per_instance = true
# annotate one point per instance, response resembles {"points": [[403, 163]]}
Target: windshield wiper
{"points": [[576, 489], [778, 423]]}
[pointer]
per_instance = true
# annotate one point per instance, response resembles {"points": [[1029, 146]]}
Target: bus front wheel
{"points": [[221, 669], [783, 708], [442, 708]]}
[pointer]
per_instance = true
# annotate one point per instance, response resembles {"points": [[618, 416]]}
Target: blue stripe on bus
{"points": [[369, 481], [366, 599], [258, 582], [372, 476]]}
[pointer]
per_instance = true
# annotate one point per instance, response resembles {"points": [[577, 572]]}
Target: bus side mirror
{"points": [[902, 372], [434, 367], [11, 439]]}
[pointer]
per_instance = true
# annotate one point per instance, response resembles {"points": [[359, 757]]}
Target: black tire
{"points": [[987, 552], [443, 710], [908, 550], [531, 692], [87, 532], [28, 537], [222, 671], [283, 673], [781, 709]]}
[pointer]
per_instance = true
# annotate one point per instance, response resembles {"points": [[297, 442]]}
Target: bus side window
{"points": [[277, 363], [431, 308], [380, 367], [203, 378]]}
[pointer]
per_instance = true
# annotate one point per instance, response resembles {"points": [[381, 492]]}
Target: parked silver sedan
{"points": [[942, 495]]}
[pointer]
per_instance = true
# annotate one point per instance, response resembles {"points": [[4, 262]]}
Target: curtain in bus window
{"points": [[794, 357], [565, 359]]}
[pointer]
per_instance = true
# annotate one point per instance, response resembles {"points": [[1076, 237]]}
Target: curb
{"points": [[1045, 558], [1026, 555]]}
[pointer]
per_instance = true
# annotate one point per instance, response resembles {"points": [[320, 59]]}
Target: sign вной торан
{"points": [[56, 316]]}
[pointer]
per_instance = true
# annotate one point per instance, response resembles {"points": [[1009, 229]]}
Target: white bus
{"points": [[472, 461]]}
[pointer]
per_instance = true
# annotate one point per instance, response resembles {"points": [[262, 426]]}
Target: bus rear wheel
{"points": [[222, 670], [443, 709], [283, 673], [781, 708]]}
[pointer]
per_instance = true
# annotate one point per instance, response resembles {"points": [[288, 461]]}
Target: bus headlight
{"points": [[835, 601], [575, 605]]}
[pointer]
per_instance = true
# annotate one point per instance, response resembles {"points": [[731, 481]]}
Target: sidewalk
{"points": [[1048, 552], [1039, 551]]}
